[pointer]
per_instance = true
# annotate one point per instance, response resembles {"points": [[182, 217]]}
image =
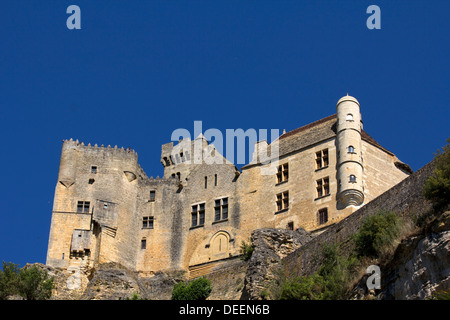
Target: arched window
{"points": [[349, 117], [352, 178], [351, 149]]}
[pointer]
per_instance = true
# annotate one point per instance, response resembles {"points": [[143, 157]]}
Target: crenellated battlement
{"points": [[75, 143]]}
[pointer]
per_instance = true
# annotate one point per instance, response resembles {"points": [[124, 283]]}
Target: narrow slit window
{"points": [[206, 182], [143, 244], [215, 180]]}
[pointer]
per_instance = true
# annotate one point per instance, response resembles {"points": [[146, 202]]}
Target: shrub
{"points": [[376, 232], [198, 289], [437, 186], [330, 282], [247, 250]]}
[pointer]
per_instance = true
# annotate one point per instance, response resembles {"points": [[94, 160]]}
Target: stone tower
{"points": [[349, 152]]}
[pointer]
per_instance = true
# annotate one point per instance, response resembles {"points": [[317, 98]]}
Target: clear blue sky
{"points": [[137, 70]]}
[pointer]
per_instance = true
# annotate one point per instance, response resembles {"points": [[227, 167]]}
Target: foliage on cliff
{"points": [[30, 282], [437, 186], [198, 289]]}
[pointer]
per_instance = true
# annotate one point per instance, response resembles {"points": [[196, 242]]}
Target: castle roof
{"points": [[312, 134]]}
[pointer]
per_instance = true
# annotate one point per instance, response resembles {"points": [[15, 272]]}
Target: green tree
{"points": [[198, 289], [8, 280], [33, 283], [437, 186]]}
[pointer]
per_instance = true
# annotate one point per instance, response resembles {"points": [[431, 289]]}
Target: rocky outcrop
{"points": [[270, 246], [419, 267]]}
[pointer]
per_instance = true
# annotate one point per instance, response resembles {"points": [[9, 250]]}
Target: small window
{"points": [[349, 117], [147, 222], [152, 195], [322, 159], [94, 169], [352, 178], [283, 173], [322, 187], [323, 216], [282, 201], [215, 180], [221, 209], [166, 161], [206, 182], [198, 215], [91, 181], [105, 206], [179, 176], [290, 225], [143, 244], [351, 149], [83, 206]]}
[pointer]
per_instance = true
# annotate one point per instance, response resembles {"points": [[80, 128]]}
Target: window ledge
{"points": [[219, 221], [197, 226], [321, 197], [282, 210], [282, 182], [321, 168]]}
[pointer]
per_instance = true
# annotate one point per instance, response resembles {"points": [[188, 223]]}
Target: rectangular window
{"points": [[221, 209], [198, 215], [147, 222], [290, 225], [323, 216], [322, 187], [143, 244], [94, 169], [282, 201], [152, 195], [283, 173], [322, 159], [83, 206]]}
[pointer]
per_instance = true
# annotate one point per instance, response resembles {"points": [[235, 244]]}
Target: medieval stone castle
{"points": [[106, 209]]}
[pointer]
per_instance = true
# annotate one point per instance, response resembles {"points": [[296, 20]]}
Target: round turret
{"points": [[349, 162]]}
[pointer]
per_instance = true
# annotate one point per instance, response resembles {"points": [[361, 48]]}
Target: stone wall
{"points": [[405, 199]]}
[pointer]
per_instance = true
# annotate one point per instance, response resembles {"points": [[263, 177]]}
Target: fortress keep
{"points": [[106, 209]]}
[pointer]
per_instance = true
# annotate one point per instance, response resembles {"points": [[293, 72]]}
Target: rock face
{"points": [[419, 267], [428, 269], [421, 264], [271, 245]]}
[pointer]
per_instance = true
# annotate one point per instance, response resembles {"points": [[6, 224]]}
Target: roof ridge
{"points": [[308, 126]]}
